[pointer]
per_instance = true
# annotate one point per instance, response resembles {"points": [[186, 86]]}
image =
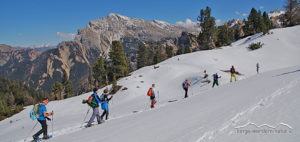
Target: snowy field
{"points": [[263, 107]]}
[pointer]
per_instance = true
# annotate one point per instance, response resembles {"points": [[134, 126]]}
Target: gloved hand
{"points": [[84, 101]]}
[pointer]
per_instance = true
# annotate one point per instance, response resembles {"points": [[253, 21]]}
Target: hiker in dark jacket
{"points": [[43, 115], [185, 86], [95, 106], [233, 72], [216, 77], [104, 105]]}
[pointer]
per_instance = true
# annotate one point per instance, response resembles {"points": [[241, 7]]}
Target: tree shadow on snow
{"points": [[286, 73]]}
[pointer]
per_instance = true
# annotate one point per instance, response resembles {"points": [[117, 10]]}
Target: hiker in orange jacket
{"points": [[151, 94]]}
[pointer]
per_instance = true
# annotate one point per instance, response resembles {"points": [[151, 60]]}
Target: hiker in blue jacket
{"points": [[95, 106], [185, 86], [104, 104], [43, 115], [216, 77]]}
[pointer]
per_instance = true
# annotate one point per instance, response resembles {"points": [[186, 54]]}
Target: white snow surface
{"points": [[230, 112]]}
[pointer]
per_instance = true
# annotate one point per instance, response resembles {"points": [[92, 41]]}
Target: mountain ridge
{"points": [[45, 68]]}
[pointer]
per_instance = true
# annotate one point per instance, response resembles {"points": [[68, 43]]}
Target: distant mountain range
{"points": [[41, 67]]}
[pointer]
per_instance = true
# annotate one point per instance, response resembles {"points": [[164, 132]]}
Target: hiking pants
{"points": [[95, 114], [105, 112], [232, 75], [186, 92], [153, 101], [43, 130], [215, 82]]}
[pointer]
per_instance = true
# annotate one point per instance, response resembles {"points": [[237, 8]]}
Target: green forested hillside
{"points": [[14, 95]]}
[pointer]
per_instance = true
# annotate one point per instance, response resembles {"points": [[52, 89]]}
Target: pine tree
{"points": [[252, 23], [207, 36], [180, 50], [99, 72], [142, 56], [119, 66], [157, 58], [260, 23], [11, 99], [237, 33], [67, 86], [57, 89], [169, 51], [225, 35], [291, 7], [187, 49], [267, 22]]}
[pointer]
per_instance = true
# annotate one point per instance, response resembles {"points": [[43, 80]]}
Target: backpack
{"points": [[184, 85], [149, 93], [232, 70], [92, 102], [34, 113], [215, 77]]}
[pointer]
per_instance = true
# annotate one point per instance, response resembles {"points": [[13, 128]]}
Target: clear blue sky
{"points": [[36, 22]]}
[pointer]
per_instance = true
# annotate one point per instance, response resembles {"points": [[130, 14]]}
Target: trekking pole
{"points": [[30, 131], [147, 104], [85, 116], [192, 91], [158, 98], [52, 123]]}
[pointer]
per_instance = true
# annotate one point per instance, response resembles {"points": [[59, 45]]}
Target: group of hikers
{"points": [[95, 100]]}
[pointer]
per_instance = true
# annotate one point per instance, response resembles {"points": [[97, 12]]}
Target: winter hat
{"points": [[95, 89], [45, 101], [106, 90]]}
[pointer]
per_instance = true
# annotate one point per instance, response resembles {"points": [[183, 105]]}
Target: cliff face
{"points": [[99, 33], [41, 69]]}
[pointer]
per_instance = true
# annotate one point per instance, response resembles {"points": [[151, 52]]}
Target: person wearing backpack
{"points": [[43, 115], [104, 105], [233, 72], [151, 94], [185, 86], [94, 101], [216, 77]]}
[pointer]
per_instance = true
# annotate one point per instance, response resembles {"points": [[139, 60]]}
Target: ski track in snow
{"points": [[232, 123], [207, 136], [79, 127]]}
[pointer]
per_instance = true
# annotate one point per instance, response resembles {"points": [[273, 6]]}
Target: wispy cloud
{"points": [[66, 35], [218, 21], [261, 7], [188, 23], [20, 34], [244, 14], [237, 13]]}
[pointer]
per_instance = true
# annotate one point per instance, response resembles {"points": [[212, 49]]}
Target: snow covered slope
{"points": [[209, 114]]}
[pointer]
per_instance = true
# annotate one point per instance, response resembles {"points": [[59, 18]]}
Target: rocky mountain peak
{"points": [[76, 57]]}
